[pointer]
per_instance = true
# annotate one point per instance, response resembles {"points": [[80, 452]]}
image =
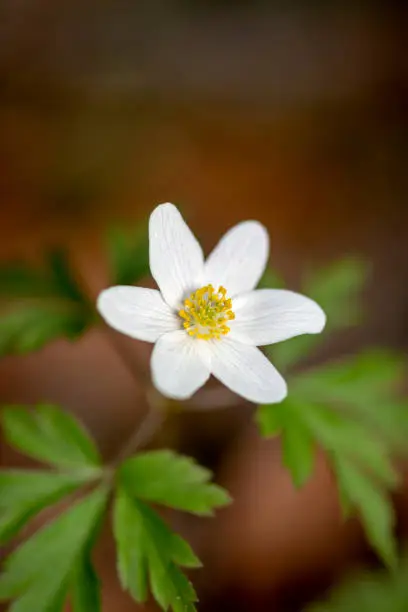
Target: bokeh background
{"points": [[292, 113]]}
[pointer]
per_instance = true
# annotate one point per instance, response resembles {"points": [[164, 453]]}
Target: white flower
{"points": [[207, 319]]}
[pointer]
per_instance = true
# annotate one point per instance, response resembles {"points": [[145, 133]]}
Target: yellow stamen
{"points": [[206, 313]]}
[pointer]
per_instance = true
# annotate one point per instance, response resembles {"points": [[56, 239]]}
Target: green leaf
{"points": [[25, 492], [27, 578], [49, 434], [30, 326], [172, 480], [148, 551], [129, 255], [18, 280], [336, 289], [376, 591], [40, 305], [86, 596], [62, 276], [375, 508], [298, 452], [271, 280], [297, 443]]}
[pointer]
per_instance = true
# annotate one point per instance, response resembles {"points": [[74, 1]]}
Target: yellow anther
{"points": [[206, 313]]}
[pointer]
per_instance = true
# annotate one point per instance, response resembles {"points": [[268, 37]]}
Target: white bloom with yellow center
{"points": [[207, 319]]}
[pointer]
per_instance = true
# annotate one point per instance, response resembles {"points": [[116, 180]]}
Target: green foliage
{"points": [[350, 408], [128, 255], [377, 591], [38, 574], [40, 305], [336, 287], [163, 477], [51, 435], [148, 552]]}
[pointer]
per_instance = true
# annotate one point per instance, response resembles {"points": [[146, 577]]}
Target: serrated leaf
{"points": [[24, 493], [86, 596], [27, 578], [375, 508], [173, 480], [128, 255], [49, 434], [148, 551]]}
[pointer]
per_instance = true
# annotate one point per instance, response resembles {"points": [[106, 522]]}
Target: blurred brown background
{"points": [[293, 113]]}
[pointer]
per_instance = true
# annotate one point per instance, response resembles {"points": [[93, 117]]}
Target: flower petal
{"points": [[272, 315], [176, 258], [138, 312], [239, 259], [180, 365], [246, 371]]}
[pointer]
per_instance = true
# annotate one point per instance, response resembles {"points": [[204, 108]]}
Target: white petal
{"points": [[176, 258], [239, 259], [180, 365], [138, 312], [271, 315], [245, 370]]}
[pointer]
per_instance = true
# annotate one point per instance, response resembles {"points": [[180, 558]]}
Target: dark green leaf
{"points": [[86, 595], [129, 255], [30, 326], [27, 577], [64, 282], [172, 480], [49, 434], [149, 551], [18, 280]]}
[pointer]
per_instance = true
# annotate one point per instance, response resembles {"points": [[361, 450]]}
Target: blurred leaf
{"points": [[41, 305], [336, 288], [29, 327], [148, 551], [375, 508], [298, 447], [58, 546], [25, 492], [166, 478], [378, 591], [49, 434], [361, 461], [128, 255], [271, 280], [86, 596]]}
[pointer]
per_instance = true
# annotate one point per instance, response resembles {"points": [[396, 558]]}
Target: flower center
{"points": [[206, 313]]}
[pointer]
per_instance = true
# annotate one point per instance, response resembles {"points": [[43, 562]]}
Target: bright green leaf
{"points": [[149, 552], [129, 255], [49, 434], [58, 546], [172, 480]]}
